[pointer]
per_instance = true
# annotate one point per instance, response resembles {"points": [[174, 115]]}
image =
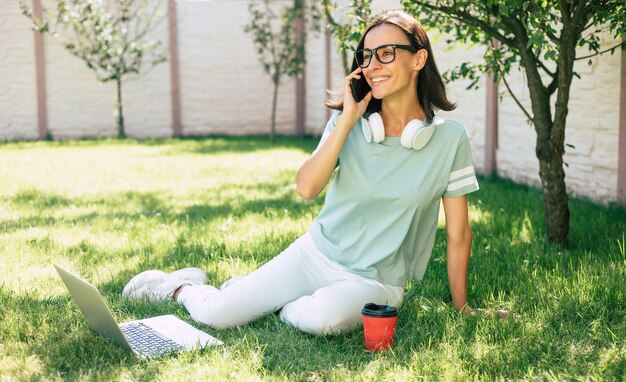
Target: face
{"points": [[395, 78]]}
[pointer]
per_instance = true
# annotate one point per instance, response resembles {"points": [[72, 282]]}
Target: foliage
{"points": [[111, 37], [470, 22], [542, 38], [108, 209], [349, 34], [280, 48]]}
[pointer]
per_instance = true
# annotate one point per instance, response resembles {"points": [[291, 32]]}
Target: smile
{"points": [[377, 80]]}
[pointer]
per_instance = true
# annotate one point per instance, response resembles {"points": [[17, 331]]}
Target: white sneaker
{"points": [[156, 285]]}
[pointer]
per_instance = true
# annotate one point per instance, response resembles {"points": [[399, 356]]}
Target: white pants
{"points": [[316, 294]]}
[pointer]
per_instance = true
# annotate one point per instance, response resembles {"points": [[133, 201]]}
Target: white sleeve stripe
{"points": [[461, 183], [462, 172]]}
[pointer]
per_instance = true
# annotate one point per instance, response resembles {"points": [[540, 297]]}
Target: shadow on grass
{"points": [[63, 346], [130, 206], [426, 323], [571, 299], [38, 199], [55, 332], [67, 348]]}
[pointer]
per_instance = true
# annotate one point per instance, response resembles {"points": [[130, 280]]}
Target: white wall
{"points": [[592, 128], [18, 83], [470, 104], [225, 91], [78, 105], [147, 97]]}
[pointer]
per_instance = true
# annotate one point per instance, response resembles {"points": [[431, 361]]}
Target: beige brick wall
{"points": [[592, 128], [18, 92], [225, 91], [78, 105], [316, 80], [470, 110], [147, 97]]}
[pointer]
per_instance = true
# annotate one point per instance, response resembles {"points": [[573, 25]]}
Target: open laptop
{"points": [[149, 338]]}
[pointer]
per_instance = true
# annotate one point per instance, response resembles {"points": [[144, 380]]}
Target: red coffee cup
{"points": [[379, 326]]}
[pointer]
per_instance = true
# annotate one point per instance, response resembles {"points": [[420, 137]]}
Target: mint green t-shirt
{"points": [[380, 214]]}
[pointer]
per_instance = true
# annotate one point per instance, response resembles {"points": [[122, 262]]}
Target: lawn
{"points": [[110, 209]]}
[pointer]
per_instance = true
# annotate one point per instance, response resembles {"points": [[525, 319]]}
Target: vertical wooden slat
{"points": [[174, 69], [621, 156], [328, 66], [40, 70], [300, 82]]}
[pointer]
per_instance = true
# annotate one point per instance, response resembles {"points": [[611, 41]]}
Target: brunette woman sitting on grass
{"points": [[395, 161]]}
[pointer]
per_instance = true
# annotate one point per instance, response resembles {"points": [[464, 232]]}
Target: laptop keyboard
{"points": [[146, 341]]}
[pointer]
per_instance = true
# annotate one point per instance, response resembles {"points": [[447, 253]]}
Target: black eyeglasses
{"points": [[384, 54]]}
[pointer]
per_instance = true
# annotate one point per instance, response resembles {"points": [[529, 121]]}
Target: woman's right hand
{"points": [[352, 109], [316, 171]]}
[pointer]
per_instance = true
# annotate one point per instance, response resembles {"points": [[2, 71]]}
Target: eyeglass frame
{"points": [[374, 52]]}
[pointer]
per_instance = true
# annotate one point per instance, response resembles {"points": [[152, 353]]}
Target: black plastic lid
{"points": [[373, 310]]}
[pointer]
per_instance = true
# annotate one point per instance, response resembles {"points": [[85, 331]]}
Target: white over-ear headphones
{"points": [[414, 136]]}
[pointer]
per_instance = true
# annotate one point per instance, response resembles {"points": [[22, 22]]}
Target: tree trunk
{"points": [[276, 81], [550, 138], [555, 205], [551, 168], [120, 115]]}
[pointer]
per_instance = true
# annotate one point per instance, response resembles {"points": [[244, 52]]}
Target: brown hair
{"points": [[431, 91]]}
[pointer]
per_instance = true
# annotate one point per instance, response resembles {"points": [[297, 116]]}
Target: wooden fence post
{"points": [[177, 129], [621, 145], [40, 70], [300, 80]]}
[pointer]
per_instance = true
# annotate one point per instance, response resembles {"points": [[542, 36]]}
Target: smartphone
{"points": [[359, 88], [353, 85]]}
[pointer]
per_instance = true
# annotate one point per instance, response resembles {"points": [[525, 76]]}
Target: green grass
{"points": [[109, 209]]}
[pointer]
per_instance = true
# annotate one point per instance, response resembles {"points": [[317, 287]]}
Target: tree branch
{"points": [[552, 36], [472, 20], [554, 84], [600, 53], [329, 16], [565, 12], [545, 69], [529, 62], [550, 17], [578, 18], [508, 88]]}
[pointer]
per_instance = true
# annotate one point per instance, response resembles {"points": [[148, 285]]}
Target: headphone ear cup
{"points": [[422, 137], [416, 135], [410, 132], [373, 128]]}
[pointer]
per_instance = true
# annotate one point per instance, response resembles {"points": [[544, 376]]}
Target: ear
{"points": [[420, 59]]}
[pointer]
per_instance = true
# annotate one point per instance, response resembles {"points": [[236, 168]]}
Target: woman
{"points": [[377, 228]]}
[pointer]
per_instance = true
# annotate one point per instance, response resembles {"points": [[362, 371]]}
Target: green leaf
{"points": [[551, 55]]}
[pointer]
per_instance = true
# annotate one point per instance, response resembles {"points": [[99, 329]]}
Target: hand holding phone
{"points": [[356, 84]]}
